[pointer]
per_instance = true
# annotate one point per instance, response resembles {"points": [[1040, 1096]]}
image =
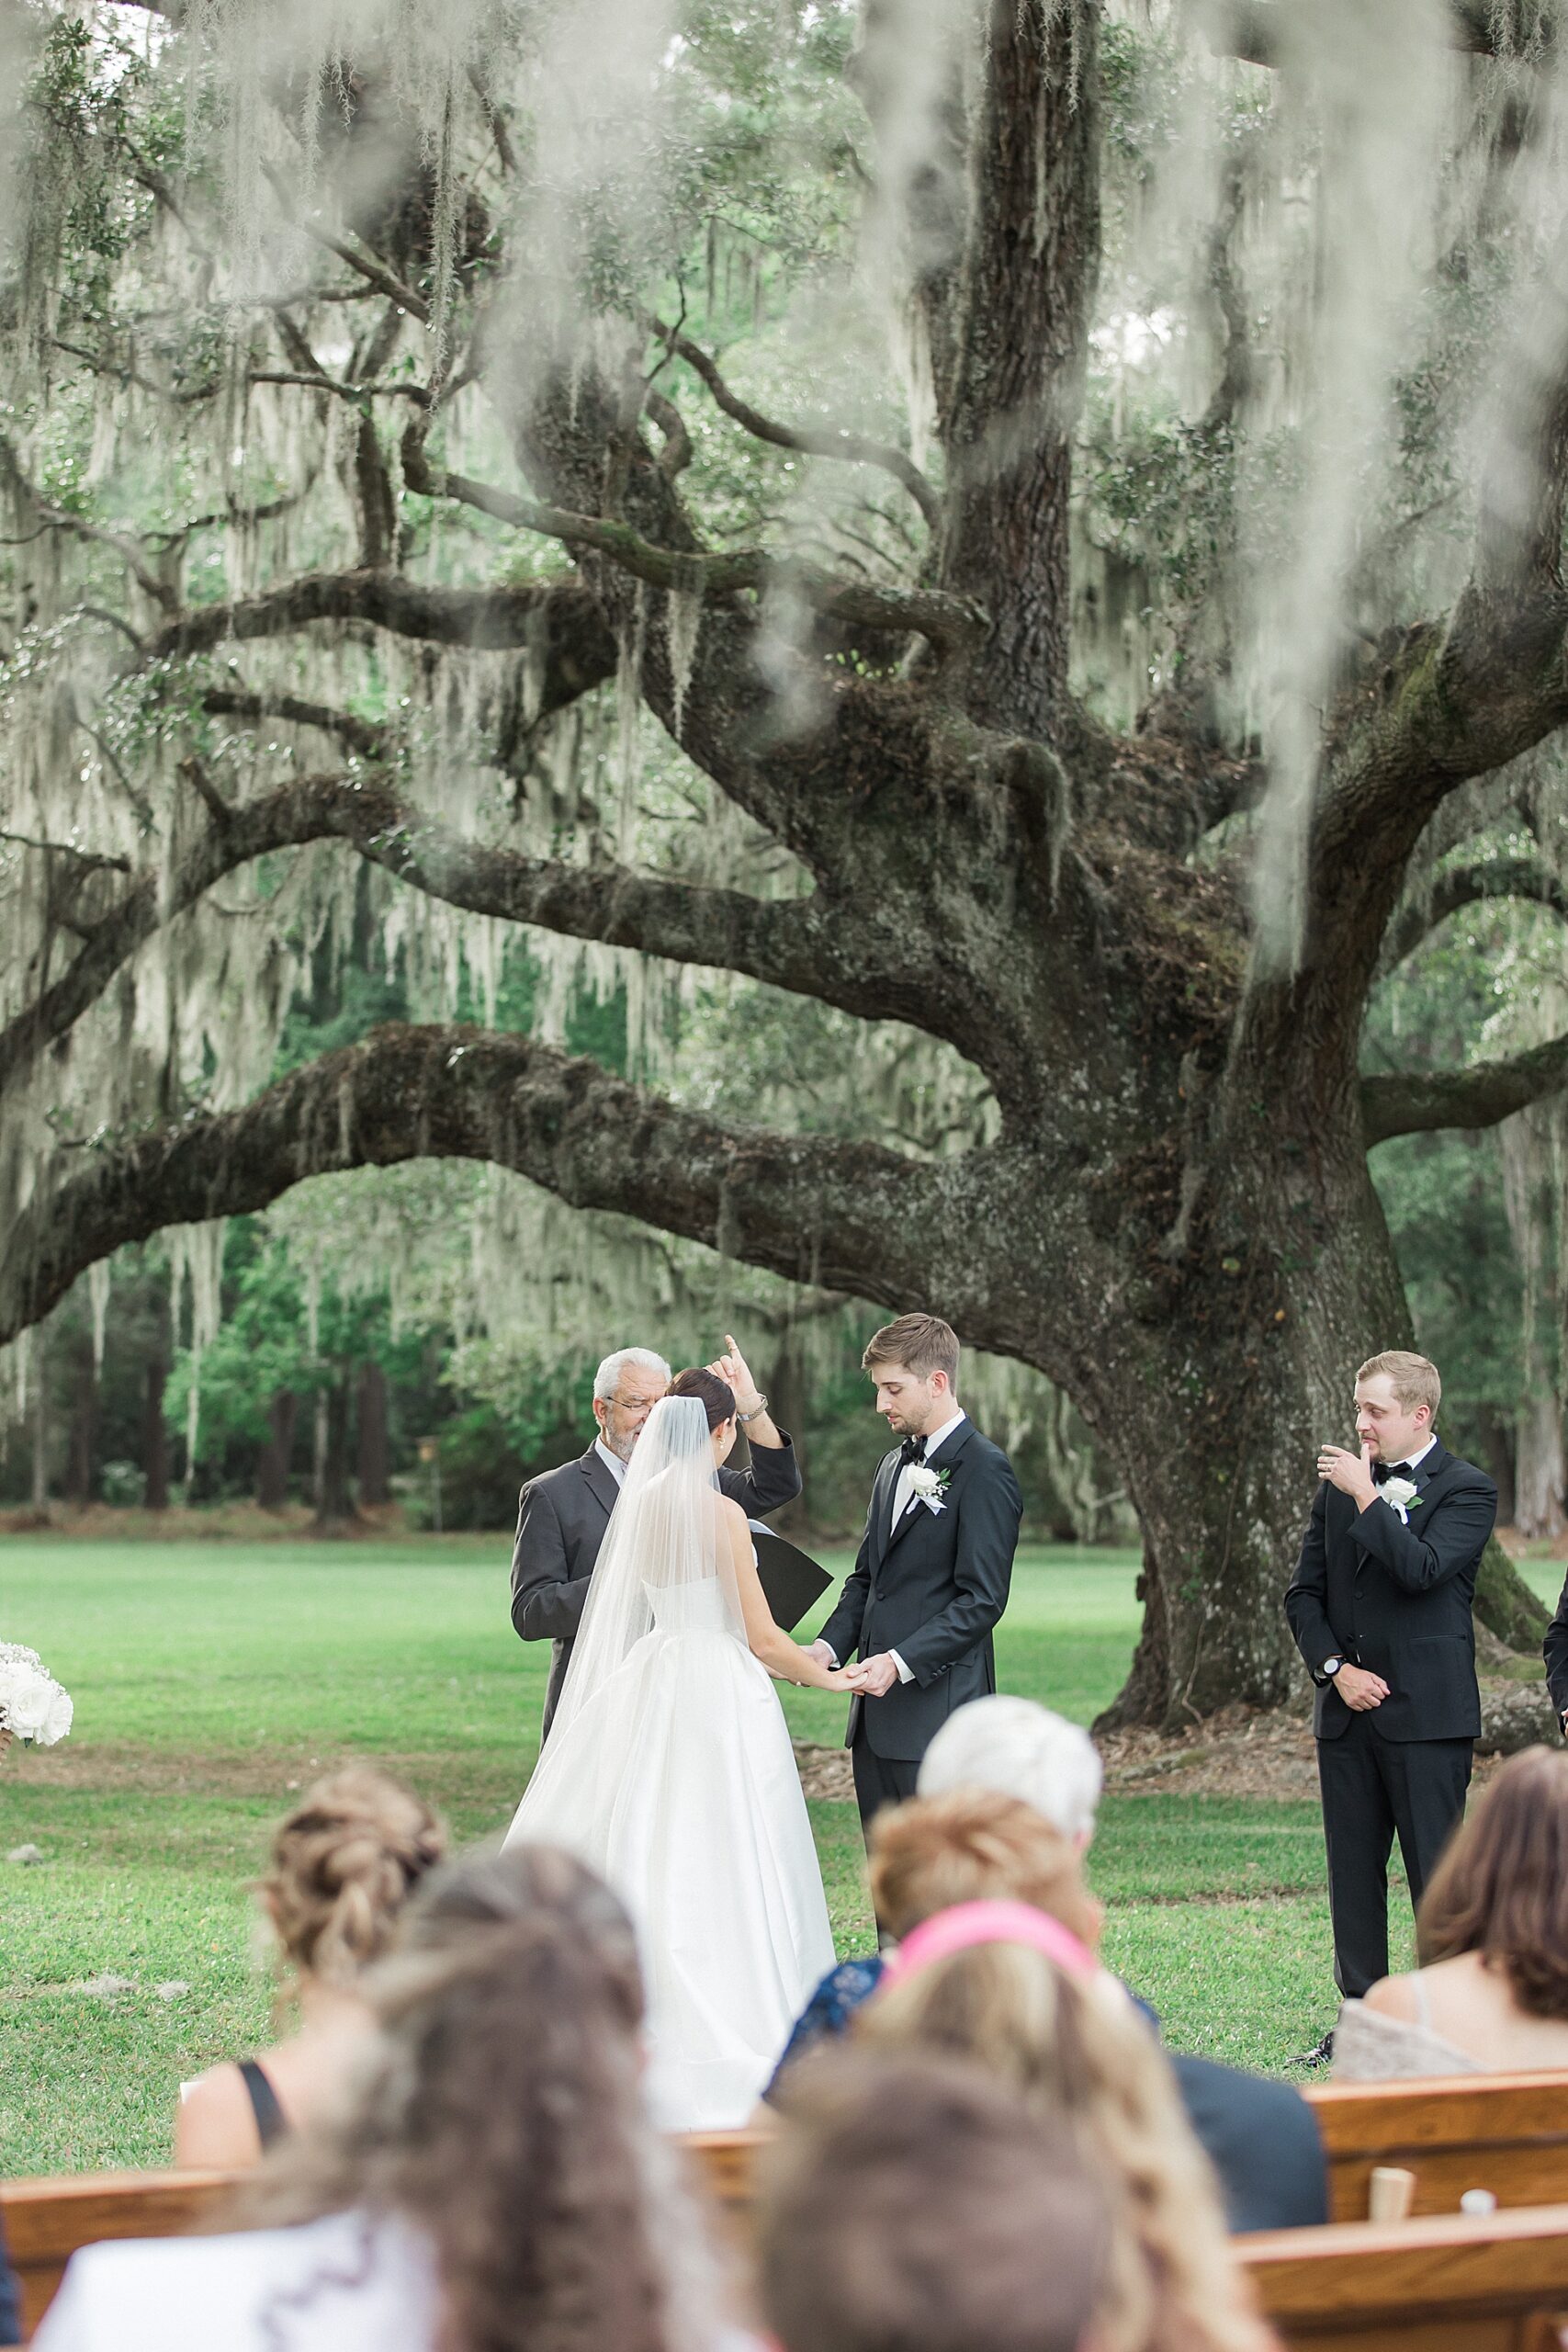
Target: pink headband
{"points": [[968, 1924]]}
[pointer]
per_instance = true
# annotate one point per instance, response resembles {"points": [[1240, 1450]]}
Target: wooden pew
{"points": [[47, 2219], [1497, 2282], [1504, 2132]]}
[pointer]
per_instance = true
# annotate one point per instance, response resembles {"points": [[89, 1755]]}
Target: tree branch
{"points": [[1458, 887], [374, 272], [852, 448], [844, 1215], [559, 619], [1274, 32], [1415, 1101], [811, 946], [949, 622], [371, 741]]}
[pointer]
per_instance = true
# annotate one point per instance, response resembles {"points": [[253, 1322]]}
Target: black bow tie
{"points": [[1384, 1471], [912, 1450]]}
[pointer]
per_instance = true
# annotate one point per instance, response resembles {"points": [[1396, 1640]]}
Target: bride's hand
{"points": [[839, 1680]]}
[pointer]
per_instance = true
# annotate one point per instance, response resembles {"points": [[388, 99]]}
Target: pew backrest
{"points": [[1507, 2133], [1495, 2283], [46, 2221]]}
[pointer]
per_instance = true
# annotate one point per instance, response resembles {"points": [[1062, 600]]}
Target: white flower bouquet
{"points": [[33, 1707]]}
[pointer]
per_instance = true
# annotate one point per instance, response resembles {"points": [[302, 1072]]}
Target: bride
{"points": [[669, 1770]]}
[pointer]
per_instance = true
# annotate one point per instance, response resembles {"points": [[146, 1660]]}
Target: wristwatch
{"points": [[1330, 1667], [758, 1409]]}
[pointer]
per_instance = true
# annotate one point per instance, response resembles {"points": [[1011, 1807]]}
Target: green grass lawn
{"points": [[212, 1680]]}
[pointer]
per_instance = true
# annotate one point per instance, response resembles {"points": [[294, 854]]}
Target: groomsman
{"points": [[934, 1566], [1555, 1651], [1380, 1610]]}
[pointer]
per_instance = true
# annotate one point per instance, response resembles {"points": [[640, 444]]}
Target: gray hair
{"points": [[607, 1380], [1010, 1747]]}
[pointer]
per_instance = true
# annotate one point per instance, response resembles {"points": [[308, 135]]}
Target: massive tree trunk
{"points": [[336, 1508]]}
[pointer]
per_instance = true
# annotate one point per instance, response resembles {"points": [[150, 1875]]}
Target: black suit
{"points": [[1396, 1599], [931, 1588], [1262, 2139], [1554, 1649], [561, 1518]]}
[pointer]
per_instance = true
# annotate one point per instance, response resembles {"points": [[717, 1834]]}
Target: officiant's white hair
{"points": [[1011, 1747], [607, 1378]]}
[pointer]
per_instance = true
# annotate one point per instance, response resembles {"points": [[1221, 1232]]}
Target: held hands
{"points": [[873, 1677], [1360, 1691], [733, 1368], [1351, 1472]]}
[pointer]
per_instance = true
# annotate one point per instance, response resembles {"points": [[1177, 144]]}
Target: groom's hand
{"points": [[1351, 1472], [824, 1654], [875, 1676], [1360, 1691]]}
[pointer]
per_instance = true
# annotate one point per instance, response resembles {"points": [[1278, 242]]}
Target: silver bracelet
{"points": [[758, 1409]]}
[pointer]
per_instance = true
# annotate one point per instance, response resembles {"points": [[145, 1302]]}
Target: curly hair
{"points": [[1501, 1889], [502, 2119], [1080, 2051], [973, 1846], [343, 1864]]}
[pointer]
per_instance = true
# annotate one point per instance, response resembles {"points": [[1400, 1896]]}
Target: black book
{"points": [[791, 1580]]}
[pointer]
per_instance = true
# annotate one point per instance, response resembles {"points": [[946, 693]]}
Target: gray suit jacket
{"points": [[561, 1519]]}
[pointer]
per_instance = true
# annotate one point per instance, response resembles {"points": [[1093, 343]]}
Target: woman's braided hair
{"points": [[343, 1864]]}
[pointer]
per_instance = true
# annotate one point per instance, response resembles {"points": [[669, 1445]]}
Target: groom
{"points": [[934, 1569]]}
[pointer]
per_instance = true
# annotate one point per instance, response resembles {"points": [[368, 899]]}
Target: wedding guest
{"points": [[918, 2205], [344, 1865], [1011, 1747], [966, 1845], [1490, 1994], [492, 2185], [10, 2298], [1012, 1990]]}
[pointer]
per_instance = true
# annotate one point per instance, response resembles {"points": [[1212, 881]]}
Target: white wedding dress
{"points": [[669, 1770]]}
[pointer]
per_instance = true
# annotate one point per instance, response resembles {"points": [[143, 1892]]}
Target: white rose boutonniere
{"points": [[1402, 1494], [929, 1485]]}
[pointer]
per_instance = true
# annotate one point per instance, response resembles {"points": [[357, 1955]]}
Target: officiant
{"points": [[563, 1513]]}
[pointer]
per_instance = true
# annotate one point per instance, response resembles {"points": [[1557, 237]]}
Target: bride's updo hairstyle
{"points": [[714, 1396], [502, 2121], [343, 1864]]}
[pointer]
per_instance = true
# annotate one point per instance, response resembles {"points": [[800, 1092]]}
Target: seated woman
{"points": [[344, 1865], [1015, 1992], [1490, 1994], [491, 2184]]}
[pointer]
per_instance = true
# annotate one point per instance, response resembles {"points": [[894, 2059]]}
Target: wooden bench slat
{"points": [[1504, 2132]]}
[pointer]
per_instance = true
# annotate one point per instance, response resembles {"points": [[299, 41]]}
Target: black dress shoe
{"points": [[1320, 2056]]}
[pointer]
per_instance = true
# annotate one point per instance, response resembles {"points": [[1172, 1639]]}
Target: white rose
{"points": [[923, 1480], [23, 1700], [1402, 1492], [57, 1722]]}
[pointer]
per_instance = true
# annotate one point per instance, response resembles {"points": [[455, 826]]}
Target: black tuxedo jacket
{"points": [[931, 1588], [1396, 1599], [561, 1518], [1555, 1651]]}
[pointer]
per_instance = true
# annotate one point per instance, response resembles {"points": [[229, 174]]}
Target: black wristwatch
{"points": [[1331, 1666]]}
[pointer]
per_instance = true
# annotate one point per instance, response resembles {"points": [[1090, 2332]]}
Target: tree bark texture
{"points": [[275, 1458], [372, 1450]]}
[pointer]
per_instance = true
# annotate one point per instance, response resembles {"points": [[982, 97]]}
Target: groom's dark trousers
{"points": [[1395, 1600], [930, 1588]]}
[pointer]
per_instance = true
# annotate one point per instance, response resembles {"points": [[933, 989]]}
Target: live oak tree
{"points": [[371, 446]]}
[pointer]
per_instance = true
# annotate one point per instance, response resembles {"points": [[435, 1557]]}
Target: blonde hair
{"points": [[972, 1847], [343, 1864], [1079, 2049], [1414, 1380]]}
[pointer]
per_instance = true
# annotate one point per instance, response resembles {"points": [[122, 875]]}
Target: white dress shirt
{"points": [[612, 1462], [903, 1494]]}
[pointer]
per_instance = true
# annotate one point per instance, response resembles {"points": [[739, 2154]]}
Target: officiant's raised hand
{"points": [[733, 1368]]}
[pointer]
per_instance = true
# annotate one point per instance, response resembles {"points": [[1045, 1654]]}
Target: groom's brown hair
{"points": [[922, 1343]]}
